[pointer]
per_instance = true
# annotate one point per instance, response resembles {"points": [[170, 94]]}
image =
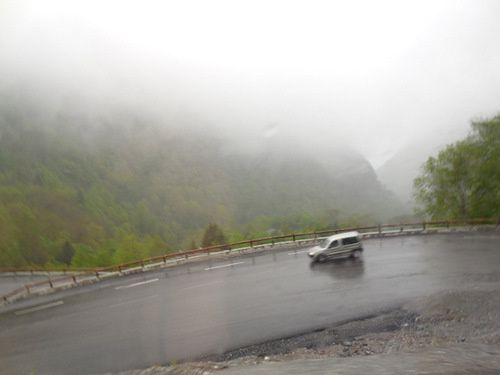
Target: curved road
{"points": [[205, 308]]}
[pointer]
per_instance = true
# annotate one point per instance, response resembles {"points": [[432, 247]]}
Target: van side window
{"points": [[333, 244], [349, 240]]}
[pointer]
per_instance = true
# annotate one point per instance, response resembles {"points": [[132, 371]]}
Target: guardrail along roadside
{"points": [[66, 278]]}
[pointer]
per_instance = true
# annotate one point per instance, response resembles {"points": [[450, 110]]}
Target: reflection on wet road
{"points": [[341, 268], [211, 307]]}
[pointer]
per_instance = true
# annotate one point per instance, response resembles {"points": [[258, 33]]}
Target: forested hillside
{"points": [[90, 189]]}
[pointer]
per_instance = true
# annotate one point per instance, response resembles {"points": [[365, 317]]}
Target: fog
{"points": [[375, 76]]}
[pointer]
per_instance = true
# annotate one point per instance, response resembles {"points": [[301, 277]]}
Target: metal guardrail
{"points": [[82, 276]]}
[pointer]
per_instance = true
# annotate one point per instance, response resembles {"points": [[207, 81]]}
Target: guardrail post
{"points": [[142, 263], [164, 259], [50, 283], [447, 224], [251, 243], [293, 237], [97, 274], [401, 229], [424, 225], [379, 229], [27, 290], [74, 279], [272, 242]]}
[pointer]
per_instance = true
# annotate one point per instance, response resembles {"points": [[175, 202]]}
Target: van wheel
{"points": [[321, 258], [356, 254]]}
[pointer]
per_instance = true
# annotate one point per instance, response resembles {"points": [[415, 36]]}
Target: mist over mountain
{"points": [[401, 169], [106, 181], [126, 128]]}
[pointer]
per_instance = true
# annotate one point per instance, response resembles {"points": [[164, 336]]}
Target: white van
{"points": [[337, 246]]}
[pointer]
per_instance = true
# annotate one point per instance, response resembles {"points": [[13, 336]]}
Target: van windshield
{"points": [[324, 243]]}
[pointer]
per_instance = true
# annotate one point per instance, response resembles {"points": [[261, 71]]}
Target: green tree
{"points": [[485, 141], [213, 236], [463, 181], [66, 254]]}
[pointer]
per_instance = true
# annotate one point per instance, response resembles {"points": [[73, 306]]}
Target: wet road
{"points": [[205, 308]]}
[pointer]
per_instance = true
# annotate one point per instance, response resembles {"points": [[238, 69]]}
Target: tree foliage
{"points": [[213, 236], [66, 254], [463, 181]]}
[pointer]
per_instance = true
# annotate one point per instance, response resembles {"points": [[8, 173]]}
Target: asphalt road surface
{"points": [[206, 308]]}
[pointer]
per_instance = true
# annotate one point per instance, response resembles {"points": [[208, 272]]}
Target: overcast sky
{"points": [[375, 74]]}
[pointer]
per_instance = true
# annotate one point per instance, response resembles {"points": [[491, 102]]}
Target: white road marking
{"points": [[223, 266], [298, 252], [40, 307], [202, 285], [136, 284], [132, 301]]}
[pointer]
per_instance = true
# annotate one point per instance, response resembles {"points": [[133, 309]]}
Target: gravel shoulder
{"points": [[454, 332]]}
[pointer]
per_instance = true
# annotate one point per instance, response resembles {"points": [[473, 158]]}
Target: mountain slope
{"points": [[111, 188]]}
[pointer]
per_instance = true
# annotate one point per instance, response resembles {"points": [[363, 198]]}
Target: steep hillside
{"points": [[95, 189]]}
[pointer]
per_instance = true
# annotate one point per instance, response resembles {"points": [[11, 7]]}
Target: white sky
{"points": [[376, 74]]}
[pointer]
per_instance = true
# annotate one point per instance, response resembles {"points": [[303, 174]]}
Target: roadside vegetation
{"points": [[463, 180]]}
